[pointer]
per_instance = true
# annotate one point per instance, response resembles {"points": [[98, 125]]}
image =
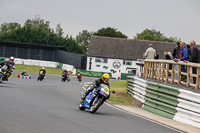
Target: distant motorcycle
{"points": [[64, 78], [95, 98], [79, 77], [3, 73], [26, 76], [41, 76]]}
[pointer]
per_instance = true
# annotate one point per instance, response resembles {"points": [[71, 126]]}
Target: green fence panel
{"points": [[158, 112], [169, 90], [60, 65], [124, 75], [152, 86], [162, 97], [91, 73], [2, 59], [160, 106]]}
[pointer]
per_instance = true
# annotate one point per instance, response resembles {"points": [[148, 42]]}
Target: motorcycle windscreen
{"points": [[88, 99]]}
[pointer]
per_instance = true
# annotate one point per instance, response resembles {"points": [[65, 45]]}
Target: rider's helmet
{"points": [[43, 68], [7, 61], [24, 71], [105, 77], [12, 59]]}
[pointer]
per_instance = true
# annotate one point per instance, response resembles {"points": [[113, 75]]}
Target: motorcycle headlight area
{"points": [[104, 92]]}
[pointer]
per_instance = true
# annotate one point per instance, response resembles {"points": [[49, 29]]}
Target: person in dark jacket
{"points": [[176, 51], [103, 80], [193, 57]]}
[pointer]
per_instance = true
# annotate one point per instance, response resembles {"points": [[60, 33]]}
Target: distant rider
{"points": [[7, 63], [43, 71], [65, 73], [24, 73], [103, 80], [79, 76], [12, 59]]}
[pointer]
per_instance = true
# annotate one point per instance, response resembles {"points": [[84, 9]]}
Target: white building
{"points": [[116, 55]]}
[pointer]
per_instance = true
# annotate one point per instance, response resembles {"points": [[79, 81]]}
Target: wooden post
{"points": [[188, 76], [173, 73], [156, 71], [179, 74], [159, 70], [167, 73], [147, 67], [152, 70], [197, 79], [163, 72], [144, 73]]}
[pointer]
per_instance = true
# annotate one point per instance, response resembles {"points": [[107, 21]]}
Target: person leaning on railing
{"points": [[193, 57], [176, 55], [183, 57]]}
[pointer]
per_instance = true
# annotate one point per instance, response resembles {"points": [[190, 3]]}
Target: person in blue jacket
{"points": [[183, 57]]}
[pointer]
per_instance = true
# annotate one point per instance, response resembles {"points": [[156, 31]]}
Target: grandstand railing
{"points": [[160, 70]]}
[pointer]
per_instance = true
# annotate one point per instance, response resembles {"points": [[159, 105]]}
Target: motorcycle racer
{"points": [[104, 79]]}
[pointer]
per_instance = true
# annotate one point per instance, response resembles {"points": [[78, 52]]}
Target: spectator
{"points": [[199, 55], [176, 55], [183, 57], [157, 55], [193, 57], [150, 52], [168, 56], [176, 51]]}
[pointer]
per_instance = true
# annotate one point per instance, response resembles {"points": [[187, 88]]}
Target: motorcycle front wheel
{"points": [[81, 106], [95, 105]]}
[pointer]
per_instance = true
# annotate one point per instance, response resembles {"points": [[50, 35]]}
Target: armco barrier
{"points": [[136, 87], [43, 64], [170, 102]]}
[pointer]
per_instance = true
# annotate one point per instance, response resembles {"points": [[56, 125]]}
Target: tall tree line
{"points": [[37, 31]]}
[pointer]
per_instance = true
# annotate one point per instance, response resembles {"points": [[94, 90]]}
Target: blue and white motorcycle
{"points": [[95, 98]]}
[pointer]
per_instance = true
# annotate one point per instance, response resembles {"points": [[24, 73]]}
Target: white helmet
{"points": [[12, 59], [43, 68], [7, 61]]}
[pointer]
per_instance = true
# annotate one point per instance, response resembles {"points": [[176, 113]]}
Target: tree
{"points": [[6, 27], [154, 35], [37, 31], [83, 38], [110, 32], [59, 30]]}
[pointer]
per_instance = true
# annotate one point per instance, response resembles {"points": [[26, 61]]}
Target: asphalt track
{"points": [[51, 106]]}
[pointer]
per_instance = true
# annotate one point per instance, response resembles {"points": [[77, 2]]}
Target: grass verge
{"points": [[121, 96], [35, 69]]}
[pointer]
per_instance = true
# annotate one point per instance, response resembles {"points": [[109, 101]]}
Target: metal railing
{"points": [[160, 70]]}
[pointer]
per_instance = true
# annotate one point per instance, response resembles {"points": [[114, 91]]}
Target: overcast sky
{"points": [[176, 18]]}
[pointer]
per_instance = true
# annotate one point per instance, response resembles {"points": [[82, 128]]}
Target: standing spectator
{"points": [[157, 55], [176, 51], [183, 57], [168, 56], [176, 55], [150, 52], [199, 55], [193, 57]]}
